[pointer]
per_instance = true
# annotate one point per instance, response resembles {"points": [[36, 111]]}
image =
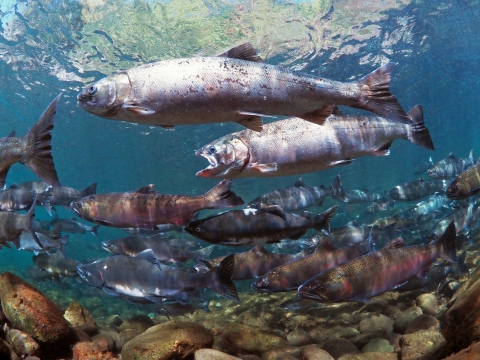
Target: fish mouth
{"points": [[104, 247], [81, 273], [213, 169], [311, 296]]}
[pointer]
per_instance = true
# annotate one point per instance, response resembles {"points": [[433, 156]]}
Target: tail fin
{"points": [[222, 197], [94, 230], [45, 198], [338, 191], [62, 242], [205, 252], [447, 243], [29, 223], [322, 221], [420, 135], [90, 190], [39, 138], [226, 287], [376, 95]]}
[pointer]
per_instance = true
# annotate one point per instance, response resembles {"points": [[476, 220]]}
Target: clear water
{"points": [[48, 47]]}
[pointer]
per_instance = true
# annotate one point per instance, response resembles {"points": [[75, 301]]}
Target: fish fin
{"points": [[31, 223], [447, 243], [3, 176], [338, 191], [264, 167], [299, 183], [12, 134], [376, 96], [242, 52], [274, 210], [45, 199], [206, 251], [322, 221], [337, 111], [297, 235], [254, 123], [57, 231], [63, 241], [110, 291], [222, 197], [160, 300], [395, 244], [147, 189], [102, 222], [420, 135], [259, 249], [39, 139], [181, 297], [138, 110], [90, 190], [319, 116], [94, 230], [341, 162], [383, 151], [226, 287], [399, 285]]}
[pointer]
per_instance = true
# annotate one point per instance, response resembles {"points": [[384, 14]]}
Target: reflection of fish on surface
{"points": [[466, 184], [235, 86], [450, 167], [373, 274], [294, 146]]}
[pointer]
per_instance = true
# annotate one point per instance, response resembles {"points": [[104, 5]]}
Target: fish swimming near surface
{"points": [[257, 227], [417, 189], [235, 86], [294, 146], [146, 208], [373, 274], [34, 149], [466, 184], [451, 166], [295, 198]]}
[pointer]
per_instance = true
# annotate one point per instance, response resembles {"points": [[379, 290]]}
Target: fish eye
{"points": [[88, 273], [197, 229], [322, 289], [212, 150], [79, 204], [92, 90]]}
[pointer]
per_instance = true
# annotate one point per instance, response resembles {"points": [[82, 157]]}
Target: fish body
{"points": [[352, 196], [161, 249], [294, 146], [291, 275], [56, 264], [373, 274], [61, 195], [417, 189], [462, 217], [16, 198], [433, 203], [12, 224], [380, 205], [232, 87], [33, 149], [28, 243], [146, 208], [295, 198], [162, 228], [257, 227], [73, 226], [466, 184], [136, 277], [450, 166]]}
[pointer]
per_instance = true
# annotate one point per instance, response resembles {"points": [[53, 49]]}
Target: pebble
{"points": [[422, 322], [378, 345], [420, 345], [313, 352], [340, 347], [402, 322], [376, 322], [210, 354], [299, 338], [428, 303]]}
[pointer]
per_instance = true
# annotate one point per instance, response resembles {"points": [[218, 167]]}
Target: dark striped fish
{"points": [[417, 189], [451, 166]]}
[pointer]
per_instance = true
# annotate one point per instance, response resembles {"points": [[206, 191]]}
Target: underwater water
{"points": [[53, 47]]}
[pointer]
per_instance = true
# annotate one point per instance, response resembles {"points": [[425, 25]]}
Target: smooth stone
{"points": [[23, 343], [299, 338], [114, 320], [137, 322], [376, 322], [371, 356], [344, 332], [77, 315], [394, 340], [281, 353], [29, 310], [94, 350], [340, 347], [210, 354], [125, 336], [88, 328], [246, 339], [402, 322], [313, 352], [81, 336], [250, 357], [422, 322], [171, 340], [428, 303], [420, 345], [364, 338], [106, 335], [378, 345]]}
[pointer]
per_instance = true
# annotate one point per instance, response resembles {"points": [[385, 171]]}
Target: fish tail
{"points": [[225, 285], [206, 251], [420, 135], [447, 243], [40, 159], [90, 190], [376, 96], [62, 242], [94, 230], [222, 197], [30, 223], [322, 221], [337, 187], [45, 198]]}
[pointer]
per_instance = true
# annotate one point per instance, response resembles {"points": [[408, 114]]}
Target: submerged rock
{"points": [[137, 322], [171, 340], [340, 347], [77, 315], [210, 354], [23, 343], [470, 353], [299, 338], [422, 322], [378, 345], [402, 322], [246, 339], [95, 350], [371, 356], [421, 345], [313, 352], [428, 303]]}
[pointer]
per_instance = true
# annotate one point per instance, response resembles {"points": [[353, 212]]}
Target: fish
{"points": [[235, 86], [295, 146], [12, 224], [16, 198], [27, 243], [56, 264], [430, 204], [380, 205], [162, 228], [352, 196], [257, 227], [291, 275], [146, 208], [73, 226], [373, 274], [290, 199], [465, 185], [34, 149], [417, 189], [451, 166], [161, 249], [423, 166], [141, 277], [177, 309]]}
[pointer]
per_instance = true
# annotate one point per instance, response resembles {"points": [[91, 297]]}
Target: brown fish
{"points": [[235, 86], [466, 184], [146, 208], [294, 146]]}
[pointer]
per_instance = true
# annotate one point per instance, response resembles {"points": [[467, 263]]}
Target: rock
{"points": [[171, 340], [340, 347], [344, 332], [281, 353], [125, 336], [378, 345], [95, 350], [422, 322], [371, 356], [88, 328], [246, 339], [6, 352], [428, 303], [402, 322], [106, 335], [470, 353], [30, 311], [210, 354], [81, 336], [114, 320], [420, 345], [299, 338], [364, 338], [22, 343], [77, 315], [313, 352], [376, 322], [250, 357], [137, 322], [394, 340]]}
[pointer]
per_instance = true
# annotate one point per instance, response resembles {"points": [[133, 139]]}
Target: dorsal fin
{"points": [[243, 52], [259, 249], [451, 156], [12, 134], [395, 244], [299, 183], [147, 189]]}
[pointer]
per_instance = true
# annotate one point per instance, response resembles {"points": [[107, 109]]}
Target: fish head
{"points": [[85, 208], [270, 282], [435, 172], [111, 247], [91, 274], [198, 228], [106, 96], [323, 291], [458, 189], [228, 156]]}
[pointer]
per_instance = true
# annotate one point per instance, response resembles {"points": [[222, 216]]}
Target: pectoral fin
{"points": [[139, 110], [102, 222], [264, 167], [319, 116], [341, 162], [254, 123]]}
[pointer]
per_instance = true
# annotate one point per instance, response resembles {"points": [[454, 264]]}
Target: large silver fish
{"points": [[234, 86], [294, 146]]}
